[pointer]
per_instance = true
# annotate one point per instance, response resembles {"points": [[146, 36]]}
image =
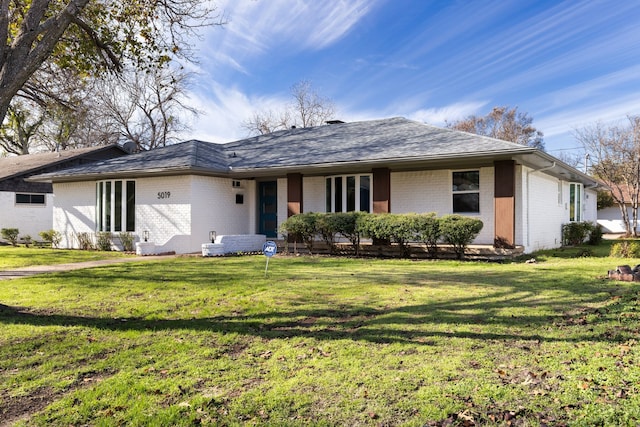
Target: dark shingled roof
{"points": [[22, 165], [368, 143]]}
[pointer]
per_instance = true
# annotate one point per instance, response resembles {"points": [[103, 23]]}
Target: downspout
{"points": [[546, 168]]}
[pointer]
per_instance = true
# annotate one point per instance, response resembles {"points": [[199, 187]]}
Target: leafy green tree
{"points": [[91, 37], [16, 135]]}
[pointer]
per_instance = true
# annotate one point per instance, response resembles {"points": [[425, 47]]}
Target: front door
{"points": [[268, 208]]}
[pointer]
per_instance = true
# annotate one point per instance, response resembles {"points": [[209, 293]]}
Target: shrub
{"points": [[327, 228], [10, 235], [85, 242], [459, 231], [625, 249], [427, 227], [575, 233], [52, 237], [398, 228], [127, 239], [348, 225], [301, 227], [103, 241], [595, 236]]}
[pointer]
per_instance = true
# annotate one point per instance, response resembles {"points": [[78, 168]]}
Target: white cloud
{"points": [[224, 110], [256, 27], [438, 116]]}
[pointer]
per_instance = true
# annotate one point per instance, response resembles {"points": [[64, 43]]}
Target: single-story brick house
{"points": [[179, 193], [28, 206]]}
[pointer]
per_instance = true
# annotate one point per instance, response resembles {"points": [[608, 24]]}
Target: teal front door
{"points": [[268, 195]]}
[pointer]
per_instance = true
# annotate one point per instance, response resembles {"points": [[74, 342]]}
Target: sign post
{"points": [[269, 249]]}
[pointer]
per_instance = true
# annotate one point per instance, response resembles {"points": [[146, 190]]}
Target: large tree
{"points": [[17, 134], [503, 123], [306, 109], [614, 151], [145, 108], [90, 36]]}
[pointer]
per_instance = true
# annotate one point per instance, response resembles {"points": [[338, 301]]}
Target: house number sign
{"points": [[164, 194]]}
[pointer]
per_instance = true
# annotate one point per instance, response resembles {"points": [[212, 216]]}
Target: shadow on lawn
{"points": [[478, 318]]}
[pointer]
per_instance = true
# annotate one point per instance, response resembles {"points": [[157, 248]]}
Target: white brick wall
{"points": [[28, 219], [242, 242], [168, 218], [74, 210], [313, 194], [215, 208], [543, 216], [431, 191]]}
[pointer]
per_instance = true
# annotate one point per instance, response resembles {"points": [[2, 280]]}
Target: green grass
{"points": [[323, 341], [17, 257]]}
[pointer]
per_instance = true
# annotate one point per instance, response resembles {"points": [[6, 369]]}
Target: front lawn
{"points": [[322, 341], [17, 257]]}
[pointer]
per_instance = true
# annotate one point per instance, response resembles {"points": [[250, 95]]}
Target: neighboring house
{"points": [[180, 193], [611, 218], [28, 206]]}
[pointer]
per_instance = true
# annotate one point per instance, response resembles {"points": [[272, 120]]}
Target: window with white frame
{"points": [[575, 202], [30, 199], [466, 191], [349, 193], [560, 197], [116, 206]]}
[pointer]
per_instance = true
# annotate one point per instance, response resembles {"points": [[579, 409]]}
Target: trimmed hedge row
{"points": [[401, 229]]}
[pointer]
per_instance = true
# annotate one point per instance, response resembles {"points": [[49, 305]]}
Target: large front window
{"points": [[575, 202], [466, 192], [348, 193], [116, 206]]}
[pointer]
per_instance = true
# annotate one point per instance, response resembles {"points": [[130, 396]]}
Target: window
{"points": [[348, 193], [560, 193], [575, 202], [115, 206], [30, 199], [466, 192]]}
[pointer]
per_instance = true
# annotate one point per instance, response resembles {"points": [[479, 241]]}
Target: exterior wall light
{"points": [[212, 236], [145, 235]]}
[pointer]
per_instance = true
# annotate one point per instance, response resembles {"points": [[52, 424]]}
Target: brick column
{"points": [[505, 203], [381, 190], [294, 194]]}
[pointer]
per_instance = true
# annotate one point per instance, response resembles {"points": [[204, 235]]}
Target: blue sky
{"points": [[567, 64]]}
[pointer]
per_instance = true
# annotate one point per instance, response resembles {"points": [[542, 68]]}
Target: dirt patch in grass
{"points": [[20, 408]]}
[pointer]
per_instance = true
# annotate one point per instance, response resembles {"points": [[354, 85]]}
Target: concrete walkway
{"points": [[43, 269]]}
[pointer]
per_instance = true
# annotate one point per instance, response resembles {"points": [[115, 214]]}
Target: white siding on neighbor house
{"points": [[543, 215], [431, 191], [611, 219], [28, 219], [74, 211], [214, 208]]}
